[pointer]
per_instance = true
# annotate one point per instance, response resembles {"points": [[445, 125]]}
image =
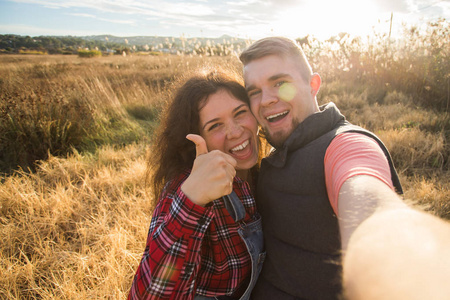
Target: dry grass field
{"points": [[74, 224]]}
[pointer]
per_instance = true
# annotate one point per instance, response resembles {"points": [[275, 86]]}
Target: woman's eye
{"points": [[243, 111], [213, 126], [253, 93]]}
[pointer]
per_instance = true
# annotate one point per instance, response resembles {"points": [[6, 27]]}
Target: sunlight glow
{"points": [[327, 18], [287, 91]]}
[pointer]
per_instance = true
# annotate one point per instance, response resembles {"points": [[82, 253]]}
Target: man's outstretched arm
{"points": [[390, 250]]}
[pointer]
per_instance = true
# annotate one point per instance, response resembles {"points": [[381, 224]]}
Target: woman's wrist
{"points": [[191, 194]]}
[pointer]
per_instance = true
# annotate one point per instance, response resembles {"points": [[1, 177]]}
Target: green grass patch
{"points": [[89, 53]]}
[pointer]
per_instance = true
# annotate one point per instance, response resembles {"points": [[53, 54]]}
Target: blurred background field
{"points": [[74, 131]]}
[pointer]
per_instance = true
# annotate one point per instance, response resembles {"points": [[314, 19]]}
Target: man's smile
{"points": [[277, 116]]}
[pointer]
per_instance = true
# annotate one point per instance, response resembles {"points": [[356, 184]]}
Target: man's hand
{"points": [[392, 251], [211, 176]]}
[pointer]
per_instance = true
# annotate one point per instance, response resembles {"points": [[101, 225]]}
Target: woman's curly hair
{"points": [[171, 153]]}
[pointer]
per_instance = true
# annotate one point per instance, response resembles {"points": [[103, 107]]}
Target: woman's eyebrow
{"points": [[210, 121], [239, 107], [250, 87]]}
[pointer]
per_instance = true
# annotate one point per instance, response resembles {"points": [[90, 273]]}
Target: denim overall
{"points": [[252, 235]]}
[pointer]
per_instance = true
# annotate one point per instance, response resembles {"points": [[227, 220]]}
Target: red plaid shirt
{"points": [[192, 249]]}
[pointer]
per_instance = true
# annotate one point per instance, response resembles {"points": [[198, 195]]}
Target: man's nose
{"points": [[268, 98]]}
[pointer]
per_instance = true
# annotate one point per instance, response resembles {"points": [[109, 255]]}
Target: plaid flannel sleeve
{"points": [[172, 255]]}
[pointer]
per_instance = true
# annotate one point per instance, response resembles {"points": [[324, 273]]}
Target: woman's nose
{"points": [[234, 130]]}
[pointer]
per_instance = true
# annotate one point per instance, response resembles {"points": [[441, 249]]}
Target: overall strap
{"points": [[234, 206]]}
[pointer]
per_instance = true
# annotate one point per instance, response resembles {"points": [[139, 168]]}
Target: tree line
{"points": [[11, 43]]}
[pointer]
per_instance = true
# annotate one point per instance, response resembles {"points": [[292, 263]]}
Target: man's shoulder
{"points": [[351, 128]]}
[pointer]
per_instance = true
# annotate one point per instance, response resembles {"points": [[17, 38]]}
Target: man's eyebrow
{"points": [[278, 76], [271, 78]]}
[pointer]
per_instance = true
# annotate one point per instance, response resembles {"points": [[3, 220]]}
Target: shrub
{"points": [[89, 53], [32, 52], [32, 126]]}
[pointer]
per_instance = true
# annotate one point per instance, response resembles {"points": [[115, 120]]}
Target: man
{"points": [[328, 188]]}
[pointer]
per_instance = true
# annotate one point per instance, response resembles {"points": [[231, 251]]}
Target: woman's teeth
{"points": [[240, 147]]}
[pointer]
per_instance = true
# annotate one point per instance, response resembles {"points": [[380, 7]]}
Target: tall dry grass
{"points": [[74, 227], [51, 104], [417, 138], [73, 224]]}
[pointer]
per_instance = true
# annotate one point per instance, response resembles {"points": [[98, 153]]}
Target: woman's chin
{"points": [[247, 165]]}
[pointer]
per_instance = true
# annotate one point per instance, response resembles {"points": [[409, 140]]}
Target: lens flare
{"points": [[287, 91], [169, 271]]}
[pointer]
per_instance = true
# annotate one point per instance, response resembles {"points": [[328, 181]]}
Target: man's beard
{"points": [[277, 140]]}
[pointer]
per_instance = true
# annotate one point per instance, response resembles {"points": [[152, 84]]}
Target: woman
{"points": [[202, 246]]}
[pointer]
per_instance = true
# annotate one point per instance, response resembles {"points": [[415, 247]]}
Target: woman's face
{"points": [[228, 125]]}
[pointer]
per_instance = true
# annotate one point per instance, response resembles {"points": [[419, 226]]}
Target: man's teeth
{"points": [[276, 115], [240, 147]]}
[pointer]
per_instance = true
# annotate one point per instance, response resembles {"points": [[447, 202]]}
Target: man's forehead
{"points": [[253, 77], [268, 63]]}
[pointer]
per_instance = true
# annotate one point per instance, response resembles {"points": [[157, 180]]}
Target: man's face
{"points": [[280, 98]]}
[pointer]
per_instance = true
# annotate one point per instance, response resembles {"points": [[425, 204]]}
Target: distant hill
{"points": [[154, 40]]}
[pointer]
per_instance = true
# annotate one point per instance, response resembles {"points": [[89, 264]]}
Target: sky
{"points": [[250, 19]]}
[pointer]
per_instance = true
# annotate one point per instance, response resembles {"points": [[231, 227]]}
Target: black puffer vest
{"points": [[301, 231]]}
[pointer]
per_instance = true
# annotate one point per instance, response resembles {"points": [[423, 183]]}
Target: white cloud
{"points": [[35, 31], [402, 6], [117, 21], [127, 7], [244, 2], [172, 10], [83, 15]]}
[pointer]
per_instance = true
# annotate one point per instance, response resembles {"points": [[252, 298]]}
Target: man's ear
{"points": [[315, 84]]}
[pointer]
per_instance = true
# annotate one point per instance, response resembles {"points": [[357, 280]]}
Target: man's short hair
{"points": [[282, 47]]}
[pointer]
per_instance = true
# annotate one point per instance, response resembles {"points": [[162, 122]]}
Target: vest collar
{"points": [[310, 129]]}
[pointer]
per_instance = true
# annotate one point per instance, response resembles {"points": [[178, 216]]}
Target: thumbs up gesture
{"points": [[211, 176]]}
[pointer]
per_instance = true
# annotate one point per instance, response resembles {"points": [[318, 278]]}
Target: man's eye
{"points": [[280, 83]]}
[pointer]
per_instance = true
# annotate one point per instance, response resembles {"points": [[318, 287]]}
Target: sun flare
{"points": [[328, 17]]}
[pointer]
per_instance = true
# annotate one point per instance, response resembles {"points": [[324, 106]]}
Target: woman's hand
{"points": [[211, 176]]}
